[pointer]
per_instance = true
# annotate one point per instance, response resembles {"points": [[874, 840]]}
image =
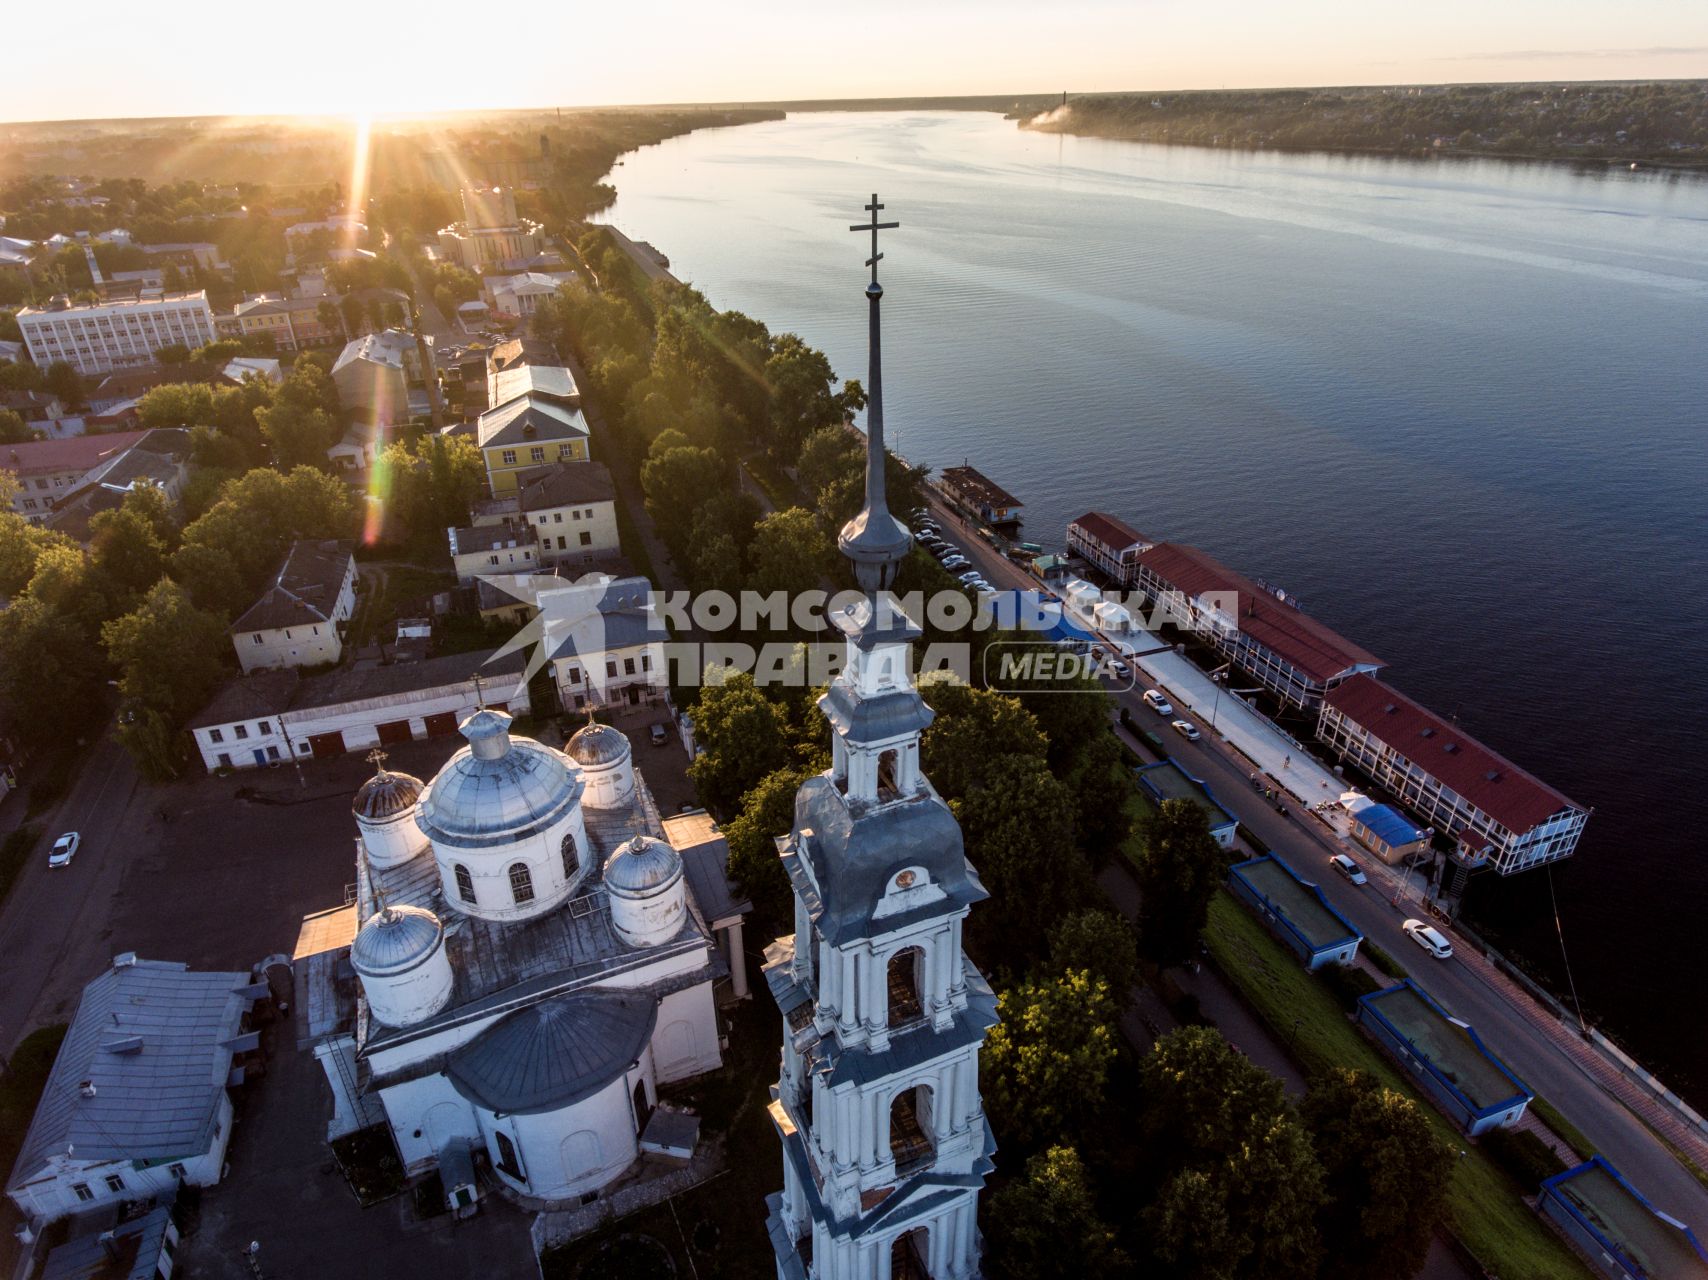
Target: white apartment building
{"points": [[103, 336]]}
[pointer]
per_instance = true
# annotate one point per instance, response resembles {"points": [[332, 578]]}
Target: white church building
{"points": [[885, 1143], [530, 968]]}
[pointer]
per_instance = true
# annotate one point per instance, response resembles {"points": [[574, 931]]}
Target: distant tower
{"points": [[885, 1145]]}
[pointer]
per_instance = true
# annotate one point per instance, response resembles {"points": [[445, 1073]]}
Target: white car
{"points": [[955, 563], [1157, 703], [63, 848], [1429, 938], [1348, 869], [1185, 730]]}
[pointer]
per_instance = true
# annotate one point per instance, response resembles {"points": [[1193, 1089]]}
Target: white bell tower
{"points": [[885, 1144]]}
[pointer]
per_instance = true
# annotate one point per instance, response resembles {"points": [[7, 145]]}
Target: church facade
{"points": [[885, 1142], [531, 967]]}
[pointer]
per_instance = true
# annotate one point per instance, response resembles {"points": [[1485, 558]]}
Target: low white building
{"points": [[299, 620], [532, 963], [490, 549], [136, 1102], [102, 336], [276, 716], [374, 375], [520, 295], [606, 642], [572, 509]]}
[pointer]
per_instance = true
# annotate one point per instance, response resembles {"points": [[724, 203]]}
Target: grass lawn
{"points": [[402, 586], [1484, 1208], [1139, 808]]}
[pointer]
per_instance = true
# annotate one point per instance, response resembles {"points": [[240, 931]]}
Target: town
{"points": [[398, 886]]}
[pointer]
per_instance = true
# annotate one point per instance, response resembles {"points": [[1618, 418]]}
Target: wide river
{"points": [[1459, 409]]}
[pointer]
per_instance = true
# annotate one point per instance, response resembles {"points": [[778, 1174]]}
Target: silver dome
{"points": [[642, 866], [596, 744], [386, 796], [498, 789], [395, 940]]}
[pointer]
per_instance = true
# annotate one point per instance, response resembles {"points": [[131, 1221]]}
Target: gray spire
{"points": [[875, 541]]}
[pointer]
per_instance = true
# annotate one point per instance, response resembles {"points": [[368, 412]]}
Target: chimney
{"points": [[86, 1088], [124, 960]]}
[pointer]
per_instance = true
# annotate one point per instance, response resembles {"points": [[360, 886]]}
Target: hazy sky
{"points": [[191, 57]]}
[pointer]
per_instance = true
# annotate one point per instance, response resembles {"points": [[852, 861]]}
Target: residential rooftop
{"points": [[1111, 531], [1450, 1048], [1301, 904], [72, 453], [303, 592], [1603, 1201], [974, 486], [565, 484]]}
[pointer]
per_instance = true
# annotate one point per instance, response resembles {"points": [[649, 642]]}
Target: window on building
{"points": [[264, 726], [566, 451], [256, 638], [569, 861], [225, 760], [903, 981], [572, 675], [241, 730], [81, 1191], [216, 735], [465, 882], [586, 538], [178, 1171], [610, 668], [628, 666], [576, 514], [557, 518], [509, 456], [272, 753], [562, 543], [507, 1162], [537, 454], [115, 1183], [646, 662], [521, 883], [29, 504]]}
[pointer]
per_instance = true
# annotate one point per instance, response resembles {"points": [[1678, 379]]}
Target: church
{"points": [[534, 962], [885, 1142]]}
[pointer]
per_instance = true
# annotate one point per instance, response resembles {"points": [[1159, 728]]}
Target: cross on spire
{"points": [[874, 226], [377, 757]]}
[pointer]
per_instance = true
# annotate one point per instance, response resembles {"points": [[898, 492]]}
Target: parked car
{"points": [[1429, 938], [63, 849], [659, 735], [1348, 869], [1157, 703], [1185, 730], [955, 562]]}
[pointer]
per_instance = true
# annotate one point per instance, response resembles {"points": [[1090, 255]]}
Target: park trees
{"points": [[1179, 867], [428, 487], [790, 552], [741, 732], [1101, 943], [766, 813], [1045, 1226], [169, 656], [13, 429], [973, 731], [1046, 1063], [676, 478]]}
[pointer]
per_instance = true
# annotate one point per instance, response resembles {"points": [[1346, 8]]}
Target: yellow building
{"points": [[529, 431]]}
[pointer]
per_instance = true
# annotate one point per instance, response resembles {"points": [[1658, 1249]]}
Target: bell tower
{"points": [[885, 1144]]}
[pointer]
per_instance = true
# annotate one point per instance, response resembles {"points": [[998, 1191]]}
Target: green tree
{"points": [[177, 404], [13, 429], [975, 729], [49, 685], [128, 549], [1179, 867], [767, 812], [741, 734], [1046, 1064], [676, 480], [169, 655], [65, 382], [1102, 787], [1387, 1175], [1045, 1226], [1100, 942], [172, 353], [790, 552], [21, 545], [428, 487], [800, 381]]}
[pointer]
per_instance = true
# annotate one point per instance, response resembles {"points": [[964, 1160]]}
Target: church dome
{"points": [[499, 789], [596, 744], [386, 795], [394, 940], [641, 867], [553, 1054]]}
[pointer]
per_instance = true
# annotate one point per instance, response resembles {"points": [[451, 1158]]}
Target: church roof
{"points": [[386, 795], [642, 866], [498, 789], [598, 744], [554, 1053], [855, 854], [395, 940]]}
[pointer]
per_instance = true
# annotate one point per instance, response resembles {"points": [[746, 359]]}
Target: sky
{"points": [[331, 57]]}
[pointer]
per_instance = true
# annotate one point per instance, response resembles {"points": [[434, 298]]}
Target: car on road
{"points": [[1349, 870], [1185, 730], [63, 849], [1429, 938], [952, 563], [1157, 703], [659, 735]]}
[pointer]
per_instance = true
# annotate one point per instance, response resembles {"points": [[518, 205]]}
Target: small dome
{"points": [[395, 940], [642, 866], [498, 789], [596, 744], [386, 795], [552, 1054]]}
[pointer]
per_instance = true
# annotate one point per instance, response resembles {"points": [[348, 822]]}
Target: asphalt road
{"points": [[1490, 1007]]}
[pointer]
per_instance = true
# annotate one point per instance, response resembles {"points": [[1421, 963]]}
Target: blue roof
{"points": [[1035, 614], [1389, 825]]}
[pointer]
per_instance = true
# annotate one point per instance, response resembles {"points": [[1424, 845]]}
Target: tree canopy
{"points": [[1179, 867], [1045, 1226]]}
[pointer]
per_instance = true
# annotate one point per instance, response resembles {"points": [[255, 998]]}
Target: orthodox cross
{"points": [[874, 226], [377, 758]]}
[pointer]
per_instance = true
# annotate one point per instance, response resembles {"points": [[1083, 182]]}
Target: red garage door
{"points": [[442, 725], [394, 731], [326, 744]]}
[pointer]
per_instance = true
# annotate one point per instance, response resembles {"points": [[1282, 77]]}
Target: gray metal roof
{"points": [[705, 861], [497, 789], [566, 484], [530, 419], [137, 1244], [395, 940], [156, 1102], [888, 715], [596, 744], [386, 795], [641, 867], [553, 1053]]}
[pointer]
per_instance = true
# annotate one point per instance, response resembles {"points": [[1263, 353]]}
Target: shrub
{"points": [[1522, 1154], [1383, 961], [1347, 983]]}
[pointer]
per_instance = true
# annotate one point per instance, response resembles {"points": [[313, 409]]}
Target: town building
{"points": [[531, 967], [978, 497], [160, 458], [136, 1104], [484, 550], [274, 717], [1110, 545], [490, 232], [1475, 1089], [572, 509], [140, 1246], [381, 378], [1616, 1229], [299, 620], [1166, 780], [189, 256], [291, 324], [1258, 628], [1499, 815], [697, 838], [101, 336], [1295, 911], [34, 407], [1387, 833], [48, 470], [606, 642], [519, 296], [885, 1144], [345, 229], [527, 432], [15, 255]]}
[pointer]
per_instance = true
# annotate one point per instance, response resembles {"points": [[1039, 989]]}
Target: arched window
{"points": [[465, 882], [904, 984], [569, 860], [887, 766], [521, 883], [910, 1128]]}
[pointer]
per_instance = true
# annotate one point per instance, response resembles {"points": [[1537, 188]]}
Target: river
{"points": [[1459, 409]]}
